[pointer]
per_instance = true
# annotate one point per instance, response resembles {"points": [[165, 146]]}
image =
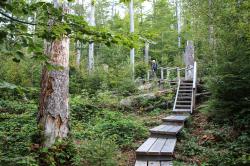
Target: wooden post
{"points": [[168, 73], [178, 73], [162, 73], [148, 75], [194, 85]]}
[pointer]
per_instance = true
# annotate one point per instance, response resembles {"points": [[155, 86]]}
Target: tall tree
{"points": [[91, 44], [78, 43], [132, 29], [53, 112], [178, 15]]}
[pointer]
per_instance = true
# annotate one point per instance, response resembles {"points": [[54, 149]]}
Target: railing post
{"points": [[162, 74], [186, 71], [168, 73], [194, 85], [178, 73]]}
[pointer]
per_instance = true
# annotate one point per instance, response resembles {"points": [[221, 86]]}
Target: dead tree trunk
{"points": [[78, 53], [91, 44], [53, 112]]}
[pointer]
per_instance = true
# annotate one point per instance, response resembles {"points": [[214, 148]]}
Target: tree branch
{"points": [[16, 20]]}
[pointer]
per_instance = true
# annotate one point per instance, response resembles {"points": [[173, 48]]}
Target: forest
{"points": [[83, 82]]}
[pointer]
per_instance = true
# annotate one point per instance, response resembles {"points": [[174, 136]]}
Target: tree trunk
{"points": [[146, 52], [91, 45], [132, 51], [78, 53], [178, 15], [189, 60], [53, 112]]}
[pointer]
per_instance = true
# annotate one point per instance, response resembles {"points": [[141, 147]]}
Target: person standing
{"points": [[154, 68]]}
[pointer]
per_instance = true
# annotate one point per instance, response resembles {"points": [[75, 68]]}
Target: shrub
{"points": [[141, 70], [125, 130], [97, 152], [17, 125], [61, 153]]}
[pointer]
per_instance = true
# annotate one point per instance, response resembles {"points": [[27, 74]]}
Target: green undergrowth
{"points": [[100, 132], [207, 141]]}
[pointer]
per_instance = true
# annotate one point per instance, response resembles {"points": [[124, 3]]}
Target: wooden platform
{"points": [[153, 163], [181, 111], [166, 129], [175, 118], [162, 148]]}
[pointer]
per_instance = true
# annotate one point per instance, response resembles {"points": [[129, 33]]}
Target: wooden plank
{"points": [[154, 157], [182, 110], [157, 146], [165, 129], [141, 163], [154, 163], [166, 163], [181, 117], [146, 145], [158, 127], [175, 129], [183, 105], [188, 102], [168, 148]]}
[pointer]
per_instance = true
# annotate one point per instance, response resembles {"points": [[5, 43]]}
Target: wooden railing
{"points": [[177, 93], [194, 86]]}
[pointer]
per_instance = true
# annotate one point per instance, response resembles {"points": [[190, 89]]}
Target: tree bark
{"points": [[91, 45], [132, 51], [53, 112]]}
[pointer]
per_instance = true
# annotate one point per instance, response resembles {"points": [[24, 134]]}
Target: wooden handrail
{"points": [[195, 75], [194, 86], [177, 93]]}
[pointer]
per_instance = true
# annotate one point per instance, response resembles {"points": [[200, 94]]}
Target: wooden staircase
{"points": [[158, 149]]}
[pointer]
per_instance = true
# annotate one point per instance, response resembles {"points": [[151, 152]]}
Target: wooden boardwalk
{"points": [[158, 149]]}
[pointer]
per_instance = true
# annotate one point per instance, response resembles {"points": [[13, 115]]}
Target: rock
{"points": [[133, 100], [127, 102], [147, 96], [146, 86]]}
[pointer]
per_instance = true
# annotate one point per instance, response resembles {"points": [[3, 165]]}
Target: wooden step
{"points": [[185, 90], [184, 97], [182, 110], [153, 163], [175, 118], [157, 148], [183, 102], [166, 129], [183, 106], [185, 93], [186, 86], [141, 163], [186, 83]]}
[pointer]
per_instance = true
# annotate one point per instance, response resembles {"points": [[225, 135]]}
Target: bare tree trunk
{"points": [[91, 45], [78, 45], [178, 15], [132, 51], [210, 27], [78, 53], [189, 59], [53, 112], [146, 52]]}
